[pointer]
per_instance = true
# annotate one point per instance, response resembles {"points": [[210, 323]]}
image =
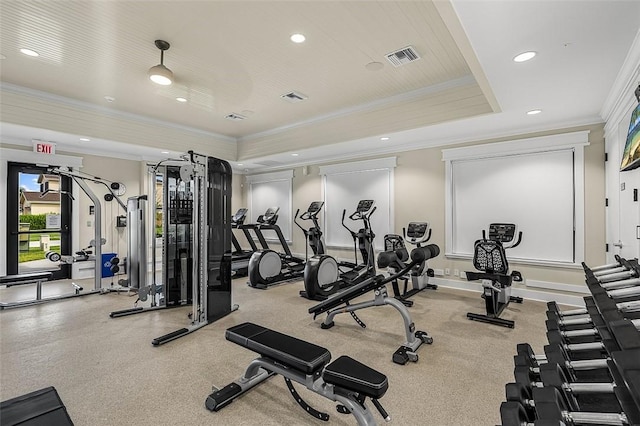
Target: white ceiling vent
{"points": [[403, 56], [294, 97], [235, 117]]}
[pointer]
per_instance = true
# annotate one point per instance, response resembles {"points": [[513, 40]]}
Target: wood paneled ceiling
{"points": [[235, 57]]}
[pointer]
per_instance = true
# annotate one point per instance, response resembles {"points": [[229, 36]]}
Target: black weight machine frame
{"points": [[209, 210]]}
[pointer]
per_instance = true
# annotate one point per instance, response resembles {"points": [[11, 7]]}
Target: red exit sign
{"points": [[44, 147]]}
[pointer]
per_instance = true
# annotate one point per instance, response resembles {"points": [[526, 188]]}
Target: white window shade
{"points": [[345, 185], [271, 190], [536, 184]]}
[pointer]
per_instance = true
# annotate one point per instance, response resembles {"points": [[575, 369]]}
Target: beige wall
{"points": [[41, 208], [419, 196]]}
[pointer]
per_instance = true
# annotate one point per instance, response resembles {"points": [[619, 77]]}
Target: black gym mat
{"points": [[39, 408]]}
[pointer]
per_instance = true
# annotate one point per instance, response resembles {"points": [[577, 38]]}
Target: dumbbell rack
{"points": [[590, 372]]}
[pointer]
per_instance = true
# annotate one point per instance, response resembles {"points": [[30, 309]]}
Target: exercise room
{"points": [[320, 212]]}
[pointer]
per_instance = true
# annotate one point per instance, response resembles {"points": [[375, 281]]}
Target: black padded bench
{"points": [[345, 380], [340, 303], [39, 408]]}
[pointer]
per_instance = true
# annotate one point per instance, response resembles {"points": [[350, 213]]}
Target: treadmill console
{"points": [[269, 217], [417, 232], [238, 218]]}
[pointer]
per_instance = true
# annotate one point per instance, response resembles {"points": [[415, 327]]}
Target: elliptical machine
{"points": [[313, 235], [324, 275], [490, 258], [267, 267], [417, 234]]}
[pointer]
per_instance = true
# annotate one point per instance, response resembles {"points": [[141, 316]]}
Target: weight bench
{"points": [[345, 380], [340, 303], [36, 278], [38, 408]]}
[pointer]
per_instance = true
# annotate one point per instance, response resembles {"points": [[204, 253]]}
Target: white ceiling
{"points": [[235, 57]]}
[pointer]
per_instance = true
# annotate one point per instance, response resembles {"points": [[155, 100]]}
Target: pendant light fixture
{"points": [[161, 74]]}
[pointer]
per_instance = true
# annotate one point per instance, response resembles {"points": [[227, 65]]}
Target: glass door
{"points": [[38, 221]]}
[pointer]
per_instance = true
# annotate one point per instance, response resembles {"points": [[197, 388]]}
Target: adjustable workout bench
{"points": [[345, 380], [340, 303]]}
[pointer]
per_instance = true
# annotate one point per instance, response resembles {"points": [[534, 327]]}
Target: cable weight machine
{"points": [[196, 259]]}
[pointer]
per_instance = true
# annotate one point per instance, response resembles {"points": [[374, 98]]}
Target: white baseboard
{"points": [[525, 293], [570, 288]]}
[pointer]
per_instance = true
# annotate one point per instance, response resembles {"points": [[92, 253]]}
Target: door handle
{"points": [[618, 244]]}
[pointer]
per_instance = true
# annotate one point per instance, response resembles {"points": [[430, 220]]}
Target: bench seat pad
{"points": [[39, 408], [298, 354], [348, 373]]}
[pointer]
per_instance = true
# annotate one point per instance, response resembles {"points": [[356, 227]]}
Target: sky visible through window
{"points": [[29, 182]]}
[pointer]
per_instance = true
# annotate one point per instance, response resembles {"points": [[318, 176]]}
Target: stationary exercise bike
{"points": [[268, 267], [489, 257], [417, 234], [324, 275]]}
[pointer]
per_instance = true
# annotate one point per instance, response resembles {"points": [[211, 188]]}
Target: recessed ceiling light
{"points": [[181, 99], [384, 138], [164, 152], [534, 111], [294, 155], [298, 38], [374, 66], [85, 139], [109, 98], [524, 56], [240, 164], [29, 52]]}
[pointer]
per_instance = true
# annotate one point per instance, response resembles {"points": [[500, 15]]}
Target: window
{"points": [[271, 190], [537, 183], [346, 184]]}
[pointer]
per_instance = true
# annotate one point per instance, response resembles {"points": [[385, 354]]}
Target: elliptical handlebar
{"points": [[296, 222], [358, 215]]}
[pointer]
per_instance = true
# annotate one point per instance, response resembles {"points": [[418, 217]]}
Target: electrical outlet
{"points": [[89, 224], [438, 272], [456, 272], [447, 271]]}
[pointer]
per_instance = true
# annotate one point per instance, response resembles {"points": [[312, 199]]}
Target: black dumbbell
{"points": [[551, 406], [590, 393], [576, 370]]}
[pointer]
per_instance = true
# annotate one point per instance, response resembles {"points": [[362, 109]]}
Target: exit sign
{"points": [[44, 147]]}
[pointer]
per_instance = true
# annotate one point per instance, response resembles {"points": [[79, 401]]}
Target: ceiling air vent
{"points": [[235, 117], [403, 56], [294, 97]]}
